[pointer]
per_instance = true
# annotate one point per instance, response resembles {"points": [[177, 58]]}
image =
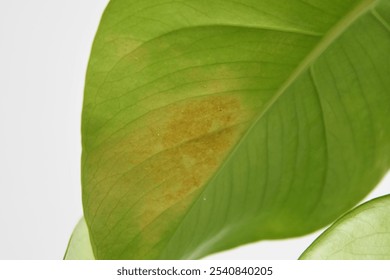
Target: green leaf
{"points": [[210, 124], [79, 247], [362, 234]]}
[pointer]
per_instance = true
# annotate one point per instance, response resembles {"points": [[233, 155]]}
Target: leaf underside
{"points": [[362, 234], [210, 124]]}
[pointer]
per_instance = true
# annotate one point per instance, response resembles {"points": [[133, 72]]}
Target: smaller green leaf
{"points": [[79, 247], [363, 234]]}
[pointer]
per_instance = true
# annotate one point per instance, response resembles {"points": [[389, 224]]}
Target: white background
{"points": [[44, 50]]}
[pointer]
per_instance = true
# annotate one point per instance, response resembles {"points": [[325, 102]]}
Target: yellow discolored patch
{"points": [[199, 118], [165, 157]]}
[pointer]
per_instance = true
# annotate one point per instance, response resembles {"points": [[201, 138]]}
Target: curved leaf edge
{"points": [[350, 216]]}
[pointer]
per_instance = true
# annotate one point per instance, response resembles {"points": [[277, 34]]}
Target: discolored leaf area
{"points": [[362, 234], [210, 124]]}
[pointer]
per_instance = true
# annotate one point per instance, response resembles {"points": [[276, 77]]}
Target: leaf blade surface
{"points": [[212, 129]]}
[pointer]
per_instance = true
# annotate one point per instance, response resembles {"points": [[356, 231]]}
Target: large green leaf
{"points": [[362, 234], [209, 124]]}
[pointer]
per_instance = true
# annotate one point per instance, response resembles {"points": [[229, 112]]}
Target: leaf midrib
{"points": [[335, 32]]}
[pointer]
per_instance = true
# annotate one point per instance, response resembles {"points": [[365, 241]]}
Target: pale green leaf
{"points": [[210, 124], [79, 247], [362, 234]]}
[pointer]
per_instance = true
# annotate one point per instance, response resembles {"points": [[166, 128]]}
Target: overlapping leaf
{"points": [[79, 247], [362, 234]]}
